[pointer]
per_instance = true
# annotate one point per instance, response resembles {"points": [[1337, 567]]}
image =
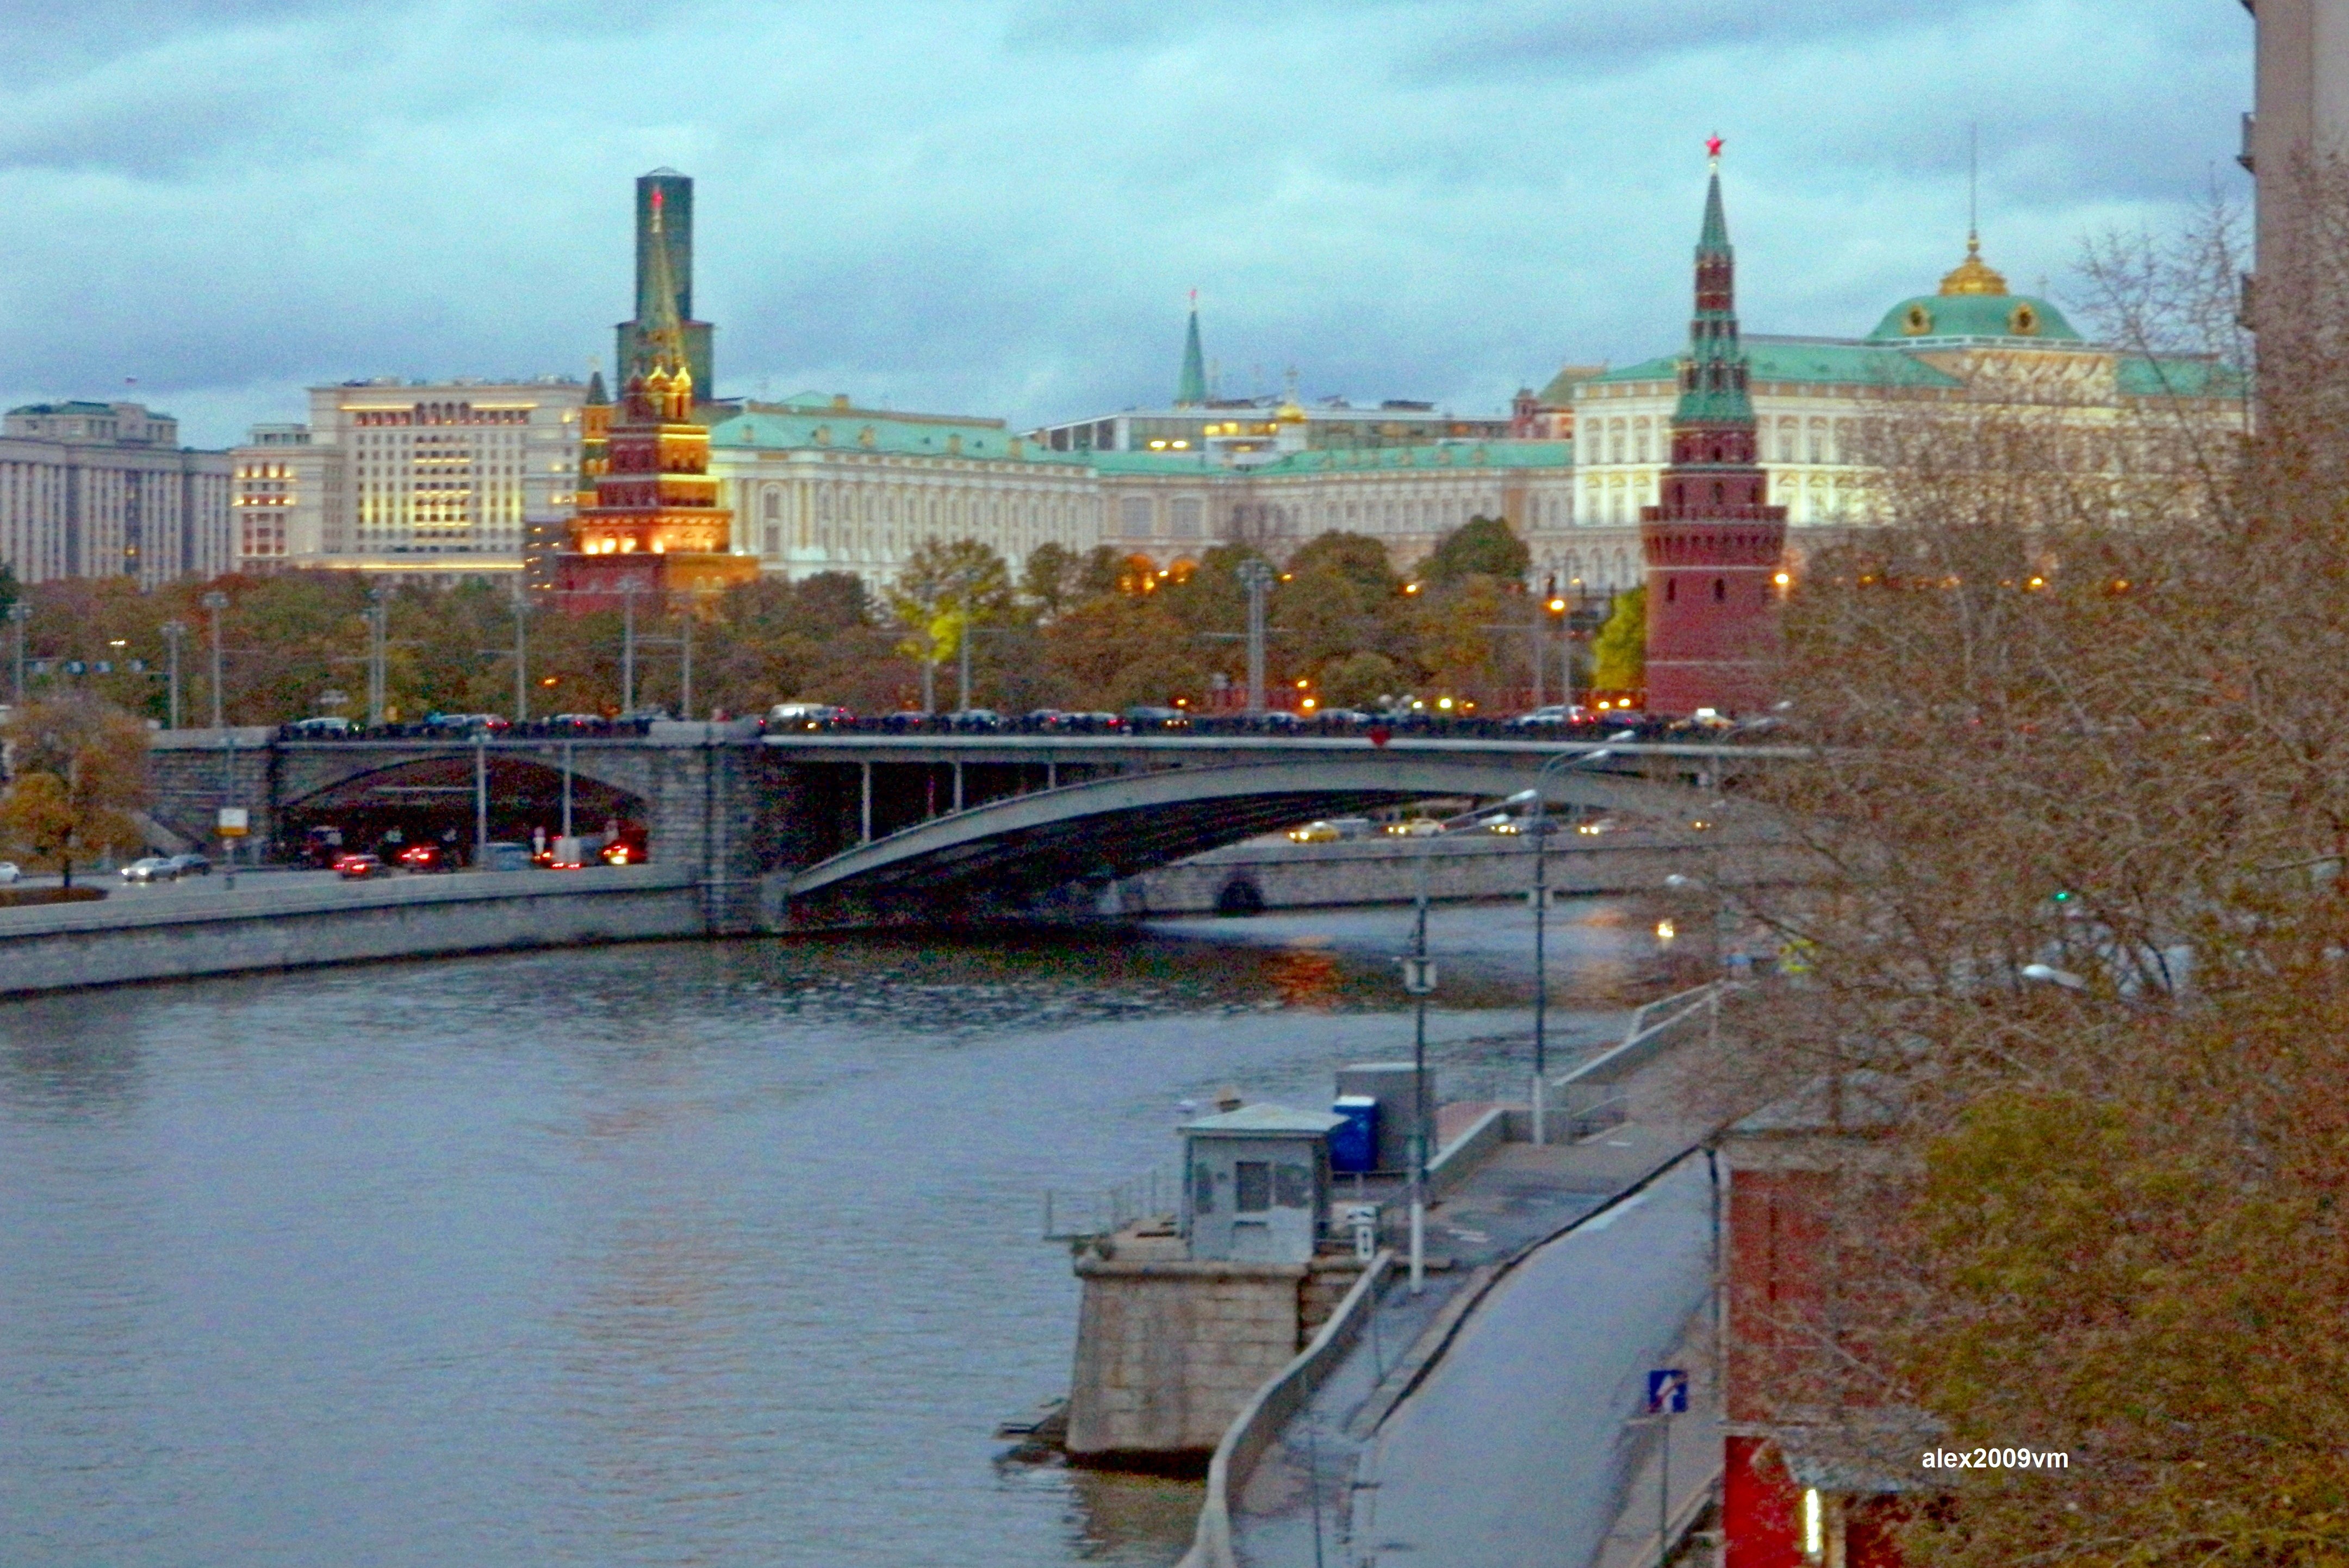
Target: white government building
{"points": [[105, 490]]}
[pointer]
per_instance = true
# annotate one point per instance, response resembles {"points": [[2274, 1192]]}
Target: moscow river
{"points": [[719, 1254]]}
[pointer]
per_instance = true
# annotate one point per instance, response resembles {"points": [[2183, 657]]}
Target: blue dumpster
{"points": [[1354, 1141]]}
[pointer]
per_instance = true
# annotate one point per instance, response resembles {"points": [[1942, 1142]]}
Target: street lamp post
{"points": [[213, 603], [628, 591], [1418, 982], [18, 614], [174, 633], [522, 654], [1541, 1095], [1256, 576], [377, 617], [962, 651]]}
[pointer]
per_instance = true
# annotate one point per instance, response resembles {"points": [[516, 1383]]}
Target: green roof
{"points": [[1842, 364], [1429, 455], [2178, 375], [828, 429], [1974, 315], [1663, 368]]}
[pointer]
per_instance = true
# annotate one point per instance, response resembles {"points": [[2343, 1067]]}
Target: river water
{"points": [[719, 1254]]}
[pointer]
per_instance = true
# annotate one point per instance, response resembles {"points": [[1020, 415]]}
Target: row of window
{"points": [[1786, 440]]}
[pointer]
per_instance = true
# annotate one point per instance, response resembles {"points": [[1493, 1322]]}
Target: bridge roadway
{"points": [[808, 830]]}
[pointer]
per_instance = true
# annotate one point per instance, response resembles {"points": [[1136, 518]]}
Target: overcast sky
{"points": [[998, 206]]}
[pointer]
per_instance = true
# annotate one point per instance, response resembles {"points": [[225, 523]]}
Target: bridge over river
{"points": [[816, 830]]}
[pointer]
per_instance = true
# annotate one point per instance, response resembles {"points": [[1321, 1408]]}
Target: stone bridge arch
{"points": [[437, 797]]}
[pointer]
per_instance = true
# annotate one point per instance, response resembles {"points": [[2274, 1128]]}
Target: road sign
{"points": [[234, 822], [1668, 1391], [1418, 976]]}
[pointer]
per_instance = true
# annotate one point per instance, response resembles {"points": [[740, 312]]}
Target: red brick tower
{"points": [[655, 525], [1713, 548]]}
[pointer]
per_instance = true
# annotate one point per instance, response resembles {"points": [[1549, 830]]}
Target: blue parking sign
{"points": [[1668, 1391]]}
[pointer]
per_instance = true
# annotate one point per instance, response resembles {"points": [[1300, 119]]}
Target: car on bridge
{"points": [[1143, 719], [149, 869], [8, 873], [327, 726], [787, 716], [467, 724], [191, 864], [976, 720], [359, 868], [426, 858]]}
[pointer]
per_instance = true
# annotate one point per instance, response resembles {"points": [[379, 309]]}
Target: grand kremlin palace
{"points": [[818, 484]]}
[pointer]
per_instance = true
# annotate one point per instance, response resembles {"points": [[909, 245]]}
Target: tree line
{"points": [[1075, 630]]}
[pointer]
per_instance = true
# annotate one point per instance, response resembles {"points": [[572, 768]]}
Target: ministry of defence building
{"points": [[105, 490]]}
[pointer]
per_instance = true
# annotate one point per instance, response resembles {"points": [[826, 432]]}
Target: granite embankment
{"points": [[280, 922]]}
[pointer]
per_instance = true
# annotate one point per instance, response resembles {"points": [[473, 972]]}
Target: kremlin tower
{"points": [[1713, 548], [654, 525]]}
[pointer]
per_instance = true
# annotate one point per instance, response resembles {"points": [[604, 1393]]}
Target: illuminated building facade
{"points": [[411, 478], [655, 525]]}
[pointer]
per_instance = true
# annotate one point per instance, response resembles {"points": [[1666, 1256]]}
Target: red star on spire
{"points": [[1713, 148]]}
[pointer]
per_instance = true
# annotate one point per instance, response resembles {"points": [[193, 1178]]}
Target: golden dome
{"points": [[1974, 275]]}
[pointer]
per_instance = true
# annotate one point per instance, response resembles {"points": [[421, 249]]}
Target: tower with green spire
{"points": [[1713, 544], [1191, 386]]}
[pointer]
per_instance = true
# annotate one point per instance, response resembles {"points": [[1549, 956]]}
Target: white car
{"points": [[8, 873]]}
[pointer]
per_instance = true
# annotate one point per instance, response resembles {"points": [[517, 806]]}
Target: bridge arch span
{"points": [[1010, 853]]}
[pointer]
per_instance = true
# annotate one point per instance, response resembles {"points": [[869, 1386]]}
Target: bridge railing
{"points": [[1641, 728]]}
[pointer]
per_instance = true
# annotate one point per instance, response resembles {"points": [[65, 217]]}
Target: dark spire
{"points": [[1191, 387], [1712, 378]]}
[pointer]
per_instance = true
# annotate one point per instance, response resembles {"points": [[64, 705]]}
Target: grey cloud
{"points": [[1588, 39], [937, 205]]}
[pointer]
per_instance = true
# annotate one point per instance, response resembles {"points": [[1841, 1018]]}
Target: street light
{"points": [[213, 603], [1256, 576], [1541, 1097], [19, 613], [174, 633]]}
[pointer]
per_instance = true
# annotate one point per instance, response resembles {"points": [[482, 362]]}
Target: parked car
{"points": [[426, 858], [8, 873], [359, 868], [325, 727], [191, 865], [149, 869]]}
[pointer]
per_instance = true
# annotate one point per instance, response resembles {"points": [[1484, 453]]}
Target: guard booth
{"points": [[1256, 1187]]}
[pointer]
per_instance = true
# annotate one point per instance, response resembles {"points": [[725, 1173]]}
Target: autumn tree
{"points": [[1619, 655], [79, 771], [2072, 793], [1480, 547]]}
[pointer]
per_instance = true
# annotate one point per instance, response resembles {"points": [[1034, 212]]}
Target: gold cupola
{"points": [[1974, 275]]}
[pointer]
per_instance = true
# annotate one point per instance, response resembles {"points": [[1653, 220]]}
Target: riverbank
{"points": [[185, 930]]}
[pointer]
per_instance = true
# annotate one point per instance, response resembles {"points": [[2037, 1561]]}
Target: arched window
{"points": [[1671, 590], [1719, 591]]}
